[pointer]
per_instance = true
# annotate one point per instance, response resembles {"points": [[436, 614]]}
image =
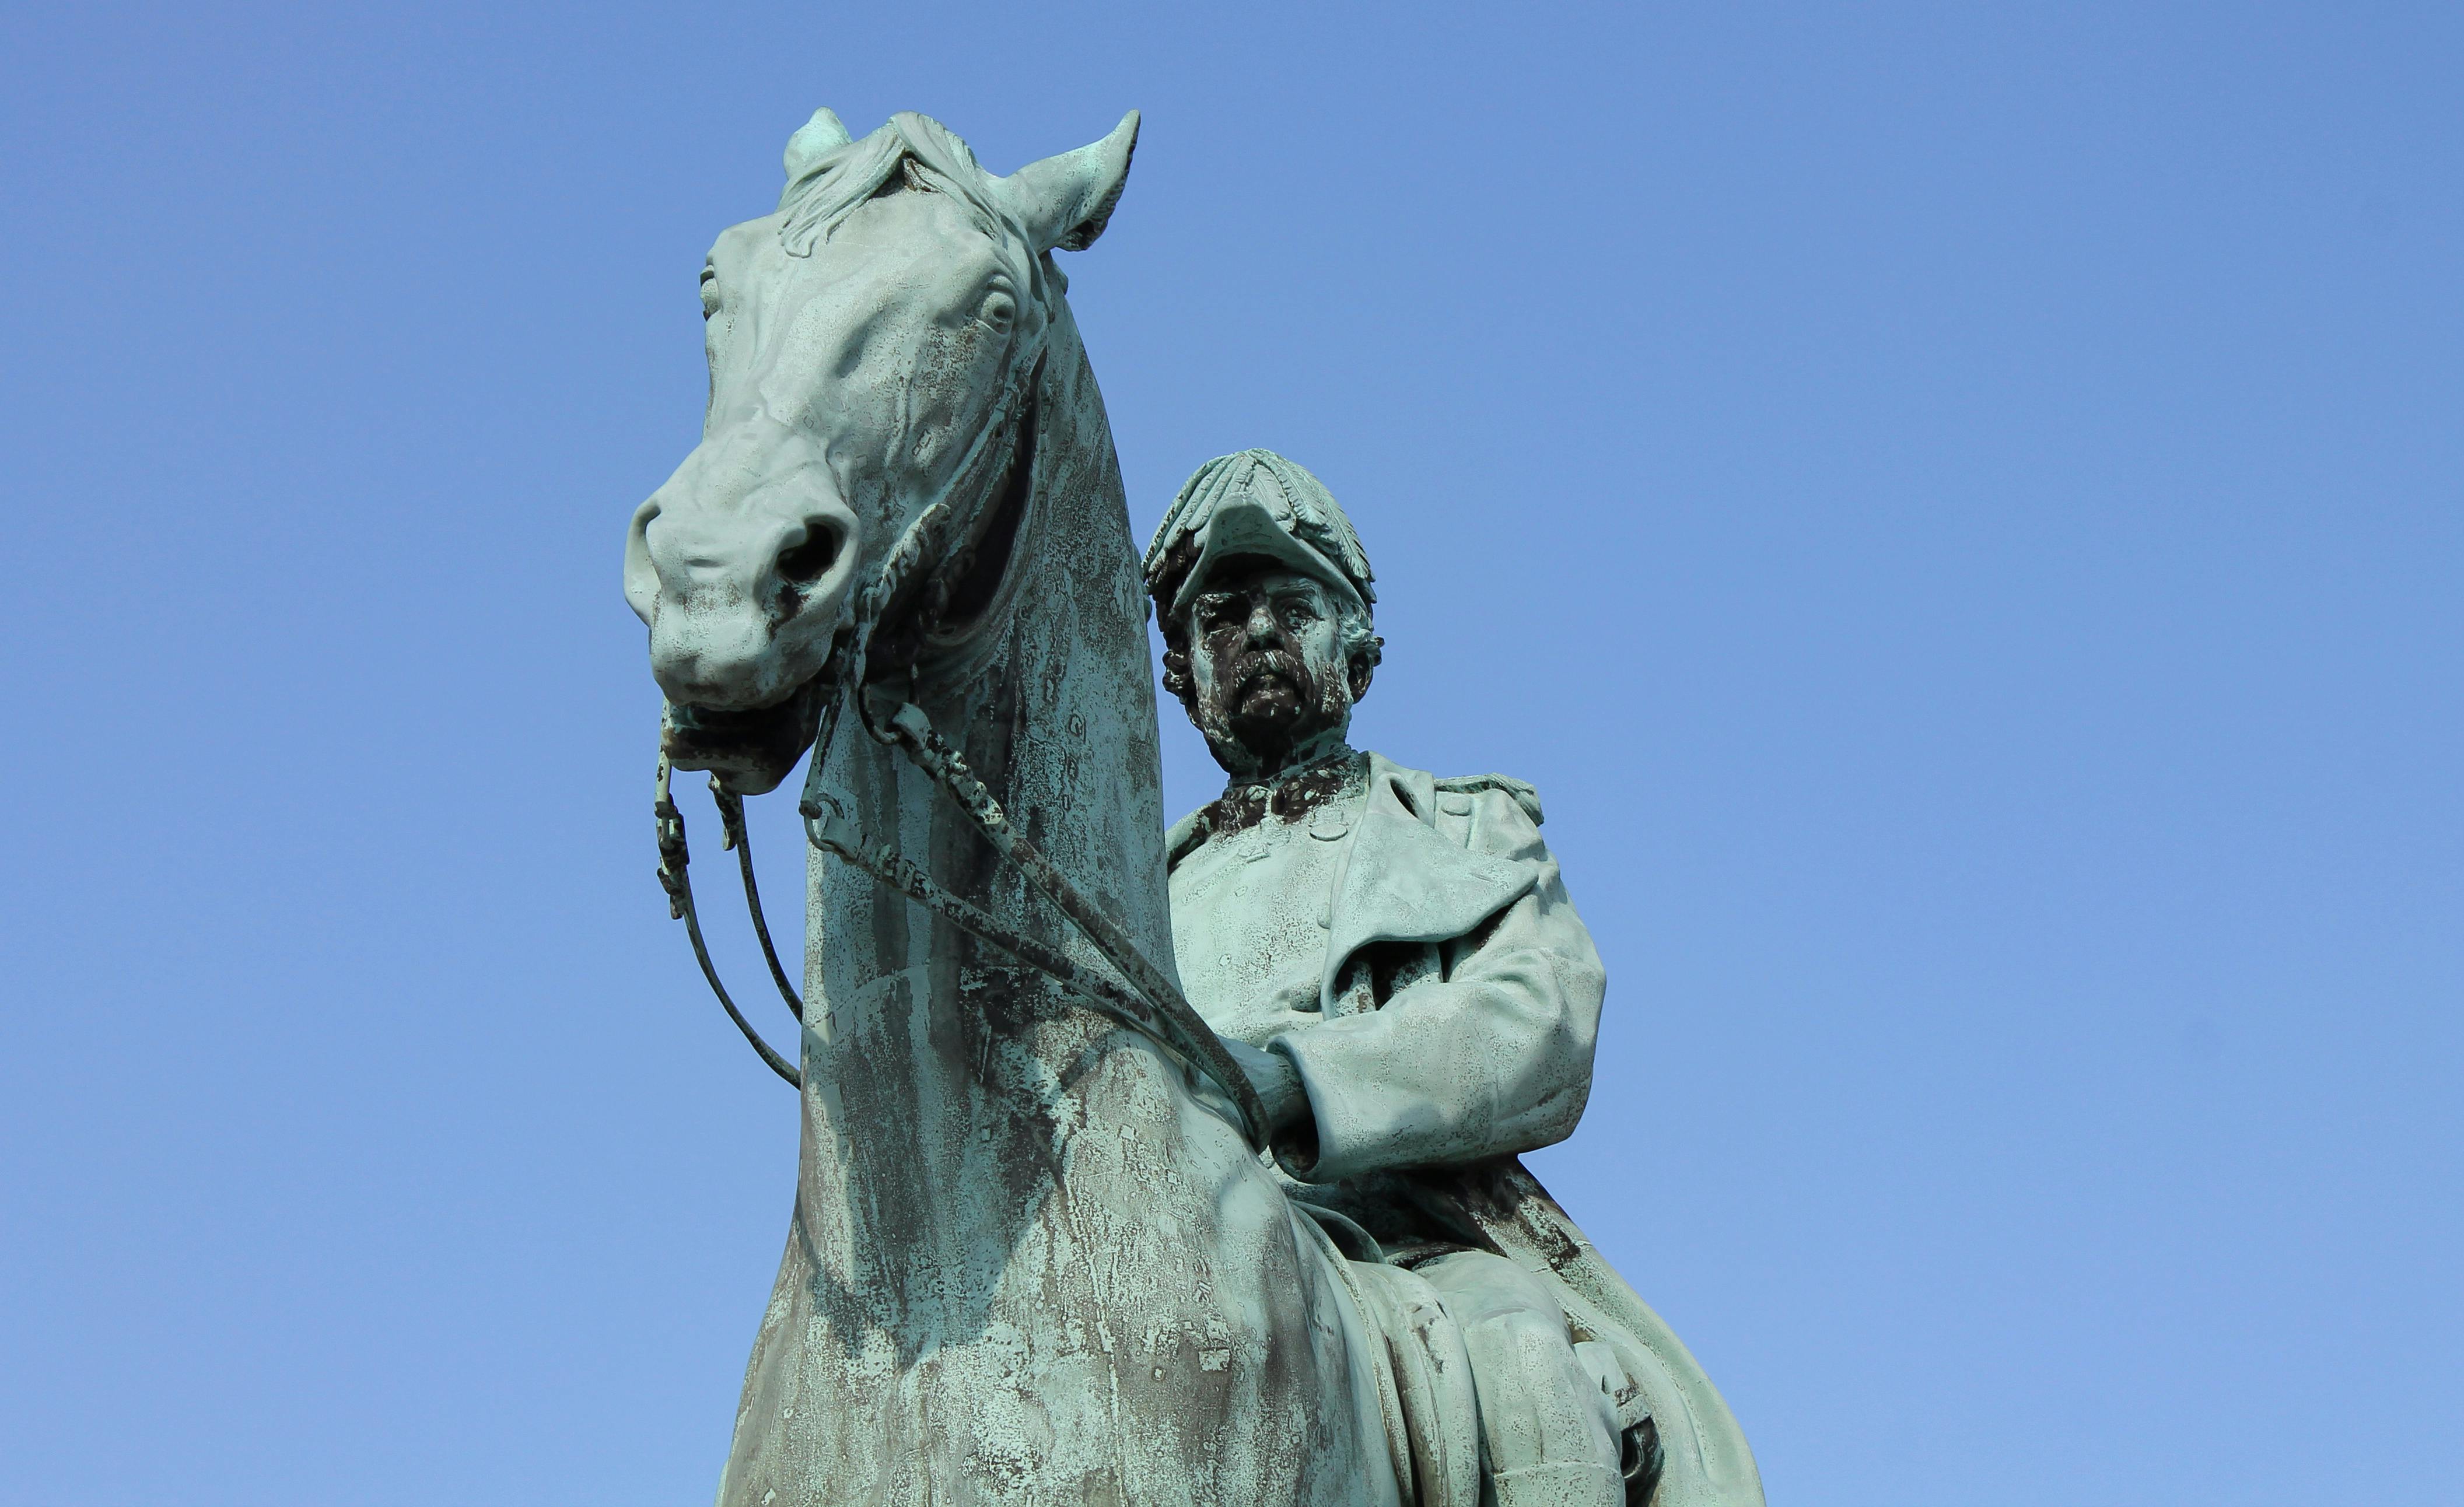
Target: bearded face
{"points": [[1266, 670]]}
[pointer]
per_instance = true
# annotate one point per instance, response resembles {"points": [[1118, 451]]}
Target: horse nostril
{"points": [[804, 562]]}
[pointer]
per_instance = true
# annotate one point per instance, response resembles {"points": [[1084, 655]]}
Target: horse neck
{"points": [[926, 1050], [1058, 713]]}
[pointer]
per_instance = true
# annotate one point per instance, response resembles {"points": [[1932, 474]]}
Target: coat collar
{"points": [[1399, 879], [1334, 763]]}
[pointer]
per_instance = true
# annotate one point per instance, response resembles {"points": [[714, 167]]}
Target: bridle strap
{"points": [[676, 879], [1150, 1003], [1168, 1019], [845, 669], [836, 834], [730, 817], [847, 651]]}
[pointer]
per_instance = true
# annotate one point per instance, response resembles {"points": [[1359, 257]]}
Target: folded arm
{"points": [[1486, 1054]]}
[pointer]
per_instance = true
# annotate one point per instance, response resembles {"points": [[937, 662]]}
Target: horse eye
{"points": [[709, 294], [998, 310]]}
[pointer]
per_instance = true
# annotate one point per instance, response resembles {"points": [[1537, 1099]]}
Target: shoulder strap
{"points": [[1524, 795]]}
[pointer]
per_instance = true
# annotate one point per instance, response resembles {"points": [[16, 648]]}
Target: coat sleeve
{"points": [[1488, 1054]]}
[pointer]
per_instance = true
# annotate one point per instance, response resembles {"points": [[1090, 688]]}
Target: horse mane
{"points": [[930, 156]]}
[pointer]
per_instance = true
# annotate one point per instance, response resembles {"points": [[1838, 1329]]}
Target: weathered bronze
{"points": [[1037, 1252], [1417, 999]]}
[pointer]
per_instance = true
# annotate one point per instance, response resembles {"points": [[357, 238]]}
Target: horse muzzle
{"points": [[750, 752], [743, 601]]}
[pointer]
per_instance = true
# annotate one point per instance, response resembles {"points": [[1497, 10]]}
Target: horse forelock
{"points": [[818, 199]]}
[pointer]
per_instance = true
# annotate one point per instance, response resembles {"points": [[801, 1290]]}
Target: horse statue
{"points": [[1034, 1257]]}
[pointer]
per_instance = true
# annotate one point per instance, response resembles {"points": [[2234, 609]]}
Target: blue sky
{"points": [[1957, 507]]}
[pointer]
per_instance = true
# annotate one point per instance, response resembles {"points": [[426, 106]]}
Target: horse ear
{"points": [[815, 139], [1065, 201]]}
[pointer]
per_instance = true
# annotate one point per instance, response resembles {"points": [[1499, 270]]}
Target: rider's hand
{"points": [[1277, 1081]]}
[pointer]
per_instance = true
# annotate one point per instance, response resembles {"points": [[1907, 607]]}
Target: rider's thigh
{"points": [[1480, 1288]]}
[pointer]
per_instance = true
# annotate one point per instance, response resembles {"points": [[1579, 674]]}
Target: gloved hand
{"points": [[1277, 1081]]}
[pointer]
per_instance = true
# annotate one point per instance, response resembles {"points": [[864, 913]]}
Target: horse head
{"points": [[874, 346]]}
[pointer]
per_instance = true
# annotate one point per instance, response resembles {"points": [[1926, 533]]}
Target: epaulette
{"points": [[1524, 794]]}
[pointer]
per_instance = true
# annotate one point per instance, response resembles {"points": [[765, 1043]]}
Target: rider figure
{"points": [[1391, 956]]}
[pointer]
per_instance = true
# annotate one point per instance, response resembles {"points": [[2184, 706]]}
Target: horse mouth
{"points": [[750, 751]]}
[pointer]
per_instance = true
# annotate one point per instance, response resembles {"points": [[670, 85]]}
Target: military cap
{"points": [[1256, 502]]}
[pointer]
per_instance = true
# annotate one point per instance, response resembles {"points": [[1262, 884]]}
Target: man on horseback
{"points": [[1395, 964]]}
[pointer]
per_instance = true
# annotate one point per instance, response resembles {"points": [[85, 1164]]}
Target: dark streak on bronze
{"points": [[1289, 796]]}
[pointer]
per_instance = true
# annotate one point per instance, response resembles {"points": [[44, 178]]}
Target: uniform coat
{"points": [[1459, 1004]]}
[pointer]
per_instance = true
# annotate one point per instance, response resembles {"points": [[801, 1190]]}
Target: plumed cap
{"points": [[1256, 503]]}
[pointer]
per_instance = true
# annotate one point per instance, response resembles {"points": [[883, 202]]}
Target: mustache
{"points": [[1268, 662]]}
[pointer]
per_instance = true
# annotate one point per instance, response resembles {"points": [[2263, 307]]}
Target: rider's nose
{"points": [[1262, 626]]}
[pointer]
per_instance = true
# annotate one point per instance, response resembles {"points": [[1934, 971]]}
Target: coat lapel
{"points": [[1403, 882]]}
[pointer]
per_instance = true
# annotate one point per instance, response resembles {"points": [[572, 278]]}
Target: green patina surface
{"points": [[1031, 1256]]}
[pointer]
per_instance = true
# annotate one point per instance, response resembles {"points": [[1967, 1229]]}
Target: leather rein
{"points": [[1134, 992]]}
